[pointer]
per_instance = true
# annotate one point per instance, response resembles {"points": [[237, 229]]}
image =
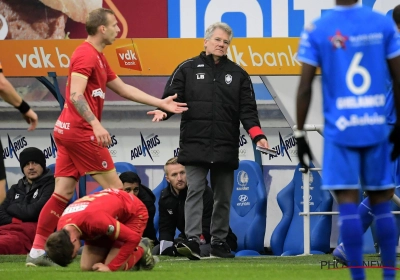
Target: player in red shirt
{"points": [[81, 139], [112, 223]]}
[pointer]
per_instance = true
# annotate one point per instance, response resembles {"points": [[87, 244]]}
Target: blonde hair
{"points": [[173, 160], [221, 25]]}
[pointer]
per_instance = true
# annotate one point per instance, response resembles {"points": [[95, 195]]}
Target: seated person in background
{"points": [[172, 213], [19, 212], [111, 243], [132, 184]]}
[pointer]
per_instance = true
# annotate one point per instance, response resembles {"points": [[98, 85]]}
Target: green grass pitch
{"points": [[266, 267]]}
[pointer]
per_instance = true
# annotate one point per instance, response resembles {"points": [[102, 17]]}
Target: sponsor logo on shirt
{"points": [[338, 40], [98, 93], [128, 57], [342, 122], [73, 208]]}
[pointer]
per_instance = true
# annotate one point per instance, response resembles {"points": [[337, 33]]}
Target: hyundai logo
{"points": [[243, 198]]}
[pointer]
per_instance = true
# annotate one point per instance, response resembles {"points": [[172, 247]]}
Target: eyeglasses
{"points": [[136, 189]]}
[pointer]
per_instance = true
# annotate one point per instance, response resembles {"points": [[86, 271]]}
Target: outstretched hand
{"points": [[158, 115], [169, 105], [31, 118]]}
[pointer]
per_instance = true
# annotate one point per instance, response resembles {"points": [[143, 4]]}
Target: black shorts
{"points": [[2, 167]]}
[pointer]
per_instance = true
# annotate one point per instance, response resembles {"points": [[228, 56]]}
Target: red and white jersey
{"points": [[112, 214], [92, 65]]}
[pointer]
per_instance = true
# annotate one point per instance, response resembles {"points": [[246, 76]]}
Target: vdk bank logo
{"points": [[52, 150], [251, 18], [128, 57], [146, 146], [14, 145]]}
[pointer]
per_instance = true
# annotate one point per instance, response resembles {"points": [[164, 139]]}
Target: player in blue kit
{"points": [[353, 46], [364, 209]]}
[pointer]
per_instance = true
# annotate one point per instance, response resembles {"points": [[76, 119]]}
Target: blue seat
{"points": [[248, 208], [52, 167], [124, 166], [288, 237], [157, 192], [98, 189]]}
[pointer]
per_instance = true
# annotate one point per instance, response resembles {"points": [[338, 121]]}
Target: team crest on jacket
{"points": [[228, 79]]}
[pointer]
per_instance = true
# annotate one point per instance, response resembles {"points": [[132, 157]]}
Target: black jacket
{"points": [[172, 215], [26, 206], [149, 199], [219, 97]]}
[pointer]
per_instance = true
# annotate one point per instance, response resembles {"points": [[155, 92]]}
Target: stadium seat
{"points": [[124, 166], [157, 192], [52, 167], [288, 237], [98, 189], [248, 208]]}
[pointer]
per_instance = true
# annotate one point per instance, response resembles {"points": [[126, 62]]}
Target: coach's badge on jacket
{"points": [[228, 79]]}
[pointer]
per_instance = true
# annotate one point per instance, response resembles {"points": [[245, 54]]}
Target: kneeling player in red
{"points": [[111, 223]]}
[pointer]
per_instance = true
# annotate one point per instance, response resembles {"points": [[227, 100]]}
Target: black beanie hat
{"points": [[32, 154]]}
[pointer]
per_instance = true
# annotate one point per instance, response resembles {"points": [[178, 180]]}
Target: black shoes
{"points": [[189, 248], [221, 250]]}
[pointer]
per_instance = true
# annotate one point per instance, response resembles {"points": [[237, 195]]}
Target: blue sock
{"points": [[386, 233], [351, 231], [365, 212]]}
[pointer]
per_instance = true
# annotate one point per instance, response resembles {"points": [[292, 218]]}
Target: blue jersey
{"points": [[389, 106], [352, 45]]}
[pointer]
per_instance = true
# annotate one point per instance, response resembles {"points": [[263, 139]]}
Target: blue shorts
{"points": [[349, 167]]}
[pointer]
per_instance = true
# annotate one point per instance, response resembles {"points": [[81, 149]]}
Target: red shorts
{"points": [[75, 159]]}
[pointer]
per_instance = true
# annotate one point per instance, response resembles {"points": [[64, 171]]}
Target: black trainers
{"points": [[221, 250], [189, 248]]}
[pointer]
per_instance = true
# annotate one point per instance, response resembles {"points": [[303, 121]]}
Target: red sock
{"points": [[48, 219], [134, 258]]}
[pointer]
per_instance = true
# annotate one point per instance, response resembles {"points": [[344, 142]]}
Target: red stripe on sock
{"points": [[48, 219]]}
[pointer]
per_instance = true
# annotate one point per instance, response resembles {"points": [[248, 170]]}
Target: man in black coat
{"points": [[172, 213], [133, 184], [19, 212], [219, 95]]}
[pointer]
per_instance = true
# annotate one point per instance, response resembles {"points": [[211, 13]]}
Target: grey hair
{"points": [[221, 25]]}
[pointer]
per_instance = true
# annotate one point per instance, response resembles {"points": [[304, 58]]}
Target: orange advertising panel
{"points": [[148, 57]]}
